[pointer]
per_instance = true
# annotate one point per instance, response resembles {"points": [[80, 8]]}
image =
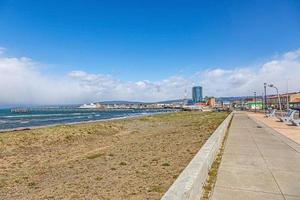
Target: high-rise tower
{"points": [[197, 94]]}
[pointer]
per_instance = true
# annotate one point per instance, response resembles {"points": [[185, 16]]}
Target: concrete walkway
{"points": [[286, 129], [258, 163]]}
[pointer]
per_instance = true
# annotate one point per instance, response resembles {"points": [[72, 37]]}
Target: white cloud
{"points": [[2, 49], [22, 82], [244, 81], [144, 90]]}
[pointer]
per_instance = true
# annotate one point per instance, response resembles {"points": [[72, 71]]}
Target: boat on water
{"points": [[20, 110], [88, 106]]}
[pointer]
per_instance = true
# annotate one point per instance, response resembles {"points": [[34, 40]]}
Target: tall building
{"points": [[197, 94]]}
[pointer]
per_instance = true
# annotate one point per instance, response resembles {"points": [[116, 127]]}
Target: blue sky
{"points": [[148, 40]]}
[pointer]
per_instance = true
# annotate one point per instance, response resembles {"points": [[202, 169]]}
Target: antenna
{"points": [[185, 97]]}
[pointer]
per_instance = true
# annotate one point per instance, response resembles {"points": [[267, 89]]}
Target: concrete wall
{"points": [[190, 182]]}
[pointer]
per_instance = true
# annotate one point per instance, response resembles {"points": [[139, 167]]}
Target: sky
{"points": [[65, 52]]}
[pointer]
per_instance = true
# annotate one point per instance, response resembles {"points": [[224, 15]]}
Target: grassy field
{"points": [[123, 159]]}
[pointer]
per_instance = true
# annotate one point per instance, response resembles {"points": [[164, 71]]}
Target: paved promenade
{"points": [[286, 129], [258, 163]]}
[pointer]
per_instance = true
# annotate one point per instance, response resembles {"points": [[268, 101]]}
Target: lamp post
{"points": [[255, 102], [279, 102], [265, 100], [287, 94]]}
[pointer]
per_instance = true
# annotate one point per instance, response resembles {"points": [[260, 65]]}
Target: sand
{"points": [[123, 159]]}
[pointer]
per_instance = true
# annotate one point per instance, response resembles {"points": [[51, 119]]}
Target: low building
{"points": [[201, 103], [211, 102], [287, 99], [252, 105]]}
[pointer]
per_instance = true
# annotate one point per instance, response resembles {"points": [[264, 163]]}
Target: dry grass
{"points": [[123, 159], [212, 174]]}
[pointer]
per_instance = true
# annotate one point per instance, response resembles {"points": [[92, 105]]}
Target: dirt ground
{"points": [[123, 159]]}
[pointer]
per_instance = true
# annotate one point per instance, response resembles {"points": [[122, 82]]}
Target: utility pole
{"points": [[265, 106]]}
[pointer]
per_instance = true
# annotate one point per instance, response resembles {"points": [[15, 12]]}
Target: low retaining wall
{"points": [[189, 184]]}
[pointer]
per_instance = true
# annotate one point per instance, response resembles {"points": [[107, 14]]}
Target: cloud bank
{"points": [[283, 71], [21, 82]]}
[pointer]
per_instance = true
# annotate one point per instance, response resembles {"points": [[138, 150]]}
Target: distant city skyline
{"points": [[80, 52]]}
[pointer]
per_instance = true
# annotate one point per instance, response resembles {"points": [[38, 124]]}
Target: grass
{"points": [[93, 156], [155, 189], [31, 184], [103, 155], [123, 163], [212, 174]]}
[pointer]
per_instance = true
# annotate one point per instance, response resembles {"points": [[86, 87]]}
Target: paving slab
{"points": [[258, 163], [283, 164], [239, 160], [287, 197], [292, 132], [289, 182], [243, 178], [234, 194], [244, 150]]}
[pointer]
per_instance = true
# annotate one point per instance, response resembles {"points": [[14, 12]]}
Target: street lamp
{"points": [[266, 106], [273, 86], [287, 94], [254, 101]]}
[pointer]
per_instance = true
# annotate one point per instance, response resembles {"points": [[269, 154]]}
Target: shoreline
{"points": [[82, 122], [117, 159]]}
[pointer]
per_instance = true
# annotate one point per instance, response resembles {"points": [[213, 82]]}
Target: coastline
{"points": [[84, 122], [113, 159]]}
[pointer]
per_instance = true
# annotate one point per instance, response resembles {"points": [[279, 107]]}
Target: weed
{"points": [[123, 163], [31, 184], [68, 137], [93, 156], [155, 189], [165, 164]]}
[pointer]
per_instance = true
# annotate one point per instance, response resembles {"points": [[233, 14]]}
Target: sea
{"points": [[46, 116]]}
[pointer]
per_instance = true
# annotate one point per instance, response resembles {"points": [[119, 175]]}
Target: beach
{"points": [[136, 158], [51, 116]]}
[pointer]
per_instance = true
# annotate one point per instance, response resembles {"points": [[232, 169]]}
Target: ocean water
{"points": [[50, 116]]}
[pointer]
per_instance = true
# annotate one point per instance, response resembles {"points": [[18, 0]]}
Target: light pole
{"points": [[279, 102], [265, 89], [255, 102], [287, 94]]}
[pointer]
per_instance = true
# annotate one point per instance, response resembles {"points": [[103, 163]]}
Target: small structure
{"points": [[252, 105], [20, 110], [211, 102]]}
